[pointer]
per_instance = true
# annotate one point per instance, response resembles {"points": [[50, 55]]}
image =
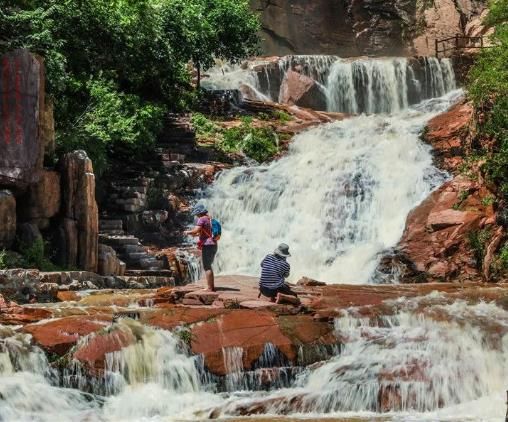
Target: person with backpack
{"points": [[274, 270], [208, 231]]}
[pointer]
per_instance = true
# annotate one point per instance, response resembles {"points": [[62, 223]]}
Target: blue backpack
{"points": [[216, 229]]}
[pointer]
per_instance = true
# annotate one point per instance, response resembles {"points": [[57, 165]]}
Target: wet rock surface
{"points": [[213, 330], [447, 133], [438, 243]]}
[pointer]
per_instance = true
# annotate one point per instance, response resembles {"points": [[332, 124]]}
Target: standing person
{"points": [[207, 242], [274, 270]]}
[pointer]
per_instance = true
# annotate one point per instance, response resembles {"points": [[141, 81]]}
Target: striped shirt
{"points": [[273, 271]]}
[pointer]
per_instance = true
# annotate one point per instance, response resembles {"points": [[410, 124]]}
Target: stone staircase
{"points": [[128, 247], [144, 201], [178, 141], [129, 195]]}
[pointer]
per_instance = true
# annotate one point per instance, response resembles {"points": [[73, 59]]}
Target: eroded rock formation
{"points": [[355, 27], [452, 234]]}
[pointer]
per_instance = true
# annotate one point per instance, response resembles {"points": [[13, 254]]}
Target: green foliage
{"points": [[203, 125], [282, 116], [114, 67], [488, 200], [478, 240], [9, 259], [205, 30], [488, 87], [112, 118], [503, 256], [34, 256], [258, 143], [184, 334], [463, 195]]}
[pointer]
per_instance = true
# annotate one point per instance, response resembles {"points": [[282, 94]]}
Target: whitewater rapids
{"points": [[339, 198]]}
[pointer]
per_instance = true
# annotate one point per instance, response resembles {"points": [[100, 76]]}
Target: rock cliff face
{"points": [[37, 202], [355, 27], [453, 234]]}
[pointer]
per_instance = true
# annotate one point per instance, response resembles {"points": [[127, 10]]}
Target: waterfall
{"points": [[339, 197], [428, 359], [358, 85], [447, 362], [385, 85]]}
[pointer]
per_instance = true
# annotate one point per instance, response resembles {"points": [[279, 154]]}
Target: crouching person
{"points": [[274, 270]]}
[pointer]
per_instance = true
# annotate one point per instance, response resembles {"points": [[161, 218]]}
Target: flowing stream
{"points": [[430, 360]]}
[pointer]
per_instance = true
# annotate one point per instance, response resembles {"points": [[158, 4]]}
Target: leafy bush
{"points": [[114, 67], [282, 116], [503, 256], [260, 144], [203, 125], [9, 259], [34, 256], [488, 87], [478, 240], [112, 119]]}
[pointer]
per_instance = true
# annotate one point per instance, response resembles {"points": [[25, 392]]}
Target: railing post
{"points": [[506, 417], [456, 41], [437, 48]]}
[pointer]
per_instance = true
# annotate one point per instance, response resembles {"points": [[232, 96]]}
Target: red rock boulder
{"points": [[300, 90], [447, 133], [246, 329], [437, 235]]}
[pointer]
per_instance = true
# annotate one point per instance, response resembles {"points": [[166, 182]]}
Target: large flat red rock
{"points": [[170, 317], [59, 335], [247, 329]]}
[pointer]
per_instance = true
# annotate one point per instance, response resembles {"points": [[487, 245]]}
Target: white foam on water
{"points": [[444, 362], [359, 85], [339, 197]]}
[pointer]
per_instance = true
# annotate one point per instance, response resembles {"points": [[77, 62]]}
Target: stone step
{"points": [[112, 232], [118, 240], [131, 249], [140, 183], [110, 224], [130, 201], [130, 186], [134, 256], [149, 273], [151, 264]]}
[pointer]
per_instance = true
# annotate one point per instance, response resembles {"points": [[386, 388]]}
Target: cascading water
{"points": [[436, 365], [430, 358], [338, 198], [362, 85]]}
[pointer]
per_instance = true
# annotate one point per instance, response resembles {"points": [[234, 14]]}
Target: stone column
{"points": [[21, 99], [80, 228]]}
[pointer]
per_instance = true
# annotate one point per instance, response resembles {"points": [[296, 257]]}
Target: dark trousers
{"points": [[284, 289]]}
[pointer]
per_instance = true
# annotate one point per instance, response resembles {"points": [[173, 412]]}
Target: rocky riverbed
{"points": [[245, 342]]}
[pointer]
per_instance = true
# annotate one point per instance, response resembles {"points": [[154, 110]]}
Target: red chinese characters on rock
{"points": [[22, 104], [12, 101], [5, 100], [18, 105]]}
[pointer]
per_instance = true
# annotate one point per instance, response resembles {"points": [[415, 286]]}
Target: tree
{"points": [[115, 66], [205, 30], [488, 87]]}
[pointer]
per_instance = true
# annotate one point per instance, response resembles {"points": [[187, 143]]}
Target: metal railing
{"points": [[459, 42]]}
